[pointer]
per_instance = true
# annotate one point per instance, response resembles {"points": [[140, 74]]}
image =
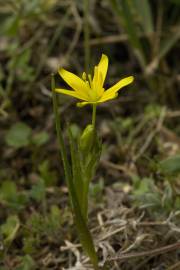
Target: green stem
{"points": [[86, 36], [59, 132], [94, 115]]}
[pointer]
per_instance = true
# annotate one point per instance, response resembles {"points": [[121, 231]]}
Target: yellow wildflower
{"points": [[92, 90]]}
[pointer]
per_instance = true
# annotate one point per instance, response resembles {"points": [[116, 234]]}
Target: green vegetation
{"points": [[134, 198]]}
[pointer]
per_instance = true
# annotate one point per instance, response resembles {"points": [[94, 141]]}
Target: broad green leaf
{"points": [[145, 193], [170, 165], [55, 216], [38, 191], [23, 66], [142, 186], [75, 130], [152, 111], [23, 59], [8, 190], [40, 138], [48, 175], [14, 199], [18, 135], [11, 25], [95, 189], [10, 228], [27, 263]]}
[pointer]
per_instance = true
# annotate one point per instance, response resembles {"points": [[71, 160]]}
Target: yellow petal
{"points": [[75, 82], [106, 98], [70, 93], [95, 79], [102, 67], [112, 90], [81, 104], [97, 83]]}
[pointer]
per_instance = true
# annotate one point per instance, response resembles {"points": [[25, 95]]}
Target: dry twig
{"points": [[153, 252]]}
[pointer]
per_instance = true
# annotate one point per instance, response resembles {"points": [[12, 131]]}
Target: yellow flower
{"points": [[92, 90]]}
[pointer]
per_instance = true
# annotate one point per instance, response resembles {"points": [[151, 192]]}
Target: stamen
{"points": [[88, 84], [84, 76], [90, 79]]}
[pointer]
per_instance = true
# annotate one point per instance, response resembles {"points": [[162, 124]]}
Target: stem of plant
{"points": [[59, 133], [94, 115], [86, 35]]}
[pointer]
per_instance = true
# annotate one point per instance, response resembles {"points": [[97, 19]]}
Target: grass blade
{"points": [[123, 10], [76, 169], [167, 44], [165, 47], [86, 35], [143, 9]]}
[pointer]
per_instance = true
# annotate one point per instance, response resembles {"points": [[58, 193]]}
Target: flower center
{"points": [[94, 86]]}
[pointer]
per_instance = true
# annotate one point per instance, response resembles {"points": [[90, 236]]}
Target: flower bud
{"points": [[86, 139]]}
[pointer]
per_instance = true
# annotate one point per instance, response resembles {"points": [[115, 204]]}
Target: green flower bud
{"points": [[86, 139]]}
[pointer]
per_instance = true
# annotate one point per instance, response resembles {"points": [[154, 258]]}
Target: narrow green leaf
{"points": [[143, 10], [85, 235], [168, 43], [94, 156], [90, 164], [76, 168], [123, 11], [83, 231], [130, 24], [63, 152]]}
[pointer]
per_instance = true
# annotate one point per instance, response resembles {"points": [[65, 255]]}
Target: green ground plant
{"points": [[85, 152], [132, 207]]}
